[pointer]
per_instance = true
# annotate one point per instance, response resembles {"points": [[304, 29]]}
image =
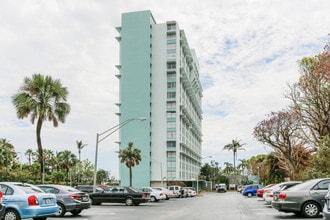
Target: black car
{"points": [[120, 194], [68, 198]]}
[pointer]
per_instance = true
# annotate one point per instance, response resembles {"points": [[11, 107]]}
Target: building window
{"points": [[171, 36], [171, 134], [171, 95], [171, 51], [171, 55], [171, 75], [170, 104], [171, 65], [171, 27], [171, 85], [171, 144], [171, 124], [170, 114], [171, 46], [171, 164]]}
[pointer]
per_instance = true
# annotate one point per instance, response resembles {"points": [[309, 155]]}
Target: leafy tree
{"points": [[7, 153], [229, 168], [320, 161], [102, 176], [206, 170], [234, 146], [256, 163], [131, 157], [283, 132], [272, 171], [310, 96], [87, 171], [43, 99]]}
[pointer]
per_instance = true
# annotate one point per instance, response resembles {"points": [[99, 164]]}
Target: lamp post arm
{"points": [[113, 131], [98, 140]]}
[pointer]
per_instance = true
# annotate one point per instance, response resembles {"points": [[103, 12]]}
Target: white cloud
{"points": [[247, 51]]}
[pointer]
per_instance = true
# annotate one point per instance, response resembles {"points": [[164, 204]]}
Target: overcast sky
{"points": [[247, 51]]}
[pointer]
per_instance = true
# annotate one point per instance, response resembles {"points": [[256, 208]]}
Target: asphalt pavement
{"points": [[209, 206]]}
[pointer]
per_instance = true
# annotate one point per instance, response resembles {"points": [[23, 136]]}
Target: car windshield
{"points": [[134, 189]]}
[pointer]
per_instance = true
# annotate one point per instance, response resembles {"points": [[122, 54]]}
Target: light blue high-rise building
{"points": [[159, 79]]}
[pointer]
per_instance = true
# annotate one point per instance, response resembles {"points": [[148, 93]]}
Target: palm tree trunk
{"points": [[234, 162], [40, 151], [130, 176]]}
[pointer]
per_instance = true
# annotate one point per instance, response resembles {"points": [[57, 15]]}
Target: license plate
{"points": [[84, 199], [48, 201]]}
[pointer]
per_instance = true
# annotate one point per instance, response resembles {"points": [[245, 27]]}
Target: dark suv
{"points": [[251, 190]]}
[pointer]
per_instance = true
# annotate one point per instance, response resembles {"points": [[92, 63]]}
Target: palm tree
{"points": [[234, 146], [130, 156], [43, 99], [244, 165], [67, 161], [29, 154], [80, 146], [49, 159]]}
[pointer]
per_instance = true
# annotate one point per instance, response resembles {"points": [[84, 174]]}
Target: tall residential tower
{"points": [[159, 80]]}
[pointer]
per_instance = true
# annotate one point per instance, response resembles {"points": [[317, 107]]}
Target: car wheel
{"points": [[167, 198], [153, 199], [310, 209], [93, 202], [75, 212], [129, 201], [61, 211], [249, 194], [11, 214]]}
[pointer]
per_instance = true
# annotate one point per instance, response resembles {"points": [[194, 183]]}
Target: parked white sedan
{"points": [[155, 195], [191, 191], [168, 193]]}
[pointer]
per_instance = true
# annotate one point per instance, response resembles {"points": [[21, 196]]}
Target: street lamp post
{"points": [[161, 168], [101, 136], [161, 171]]}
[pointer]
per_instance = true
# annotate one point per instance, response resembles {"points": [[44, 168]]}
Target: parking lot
{"points": [[211, 205]]}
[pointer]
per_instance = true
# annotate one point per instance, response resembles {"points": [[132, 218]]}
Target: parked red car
{"points": [[2, 207], [260, 192]]}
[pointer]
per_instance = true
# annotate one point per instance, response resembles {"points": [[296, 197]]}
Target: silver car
{"points": [[326, 208], [68, 198], [305, 199]]}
